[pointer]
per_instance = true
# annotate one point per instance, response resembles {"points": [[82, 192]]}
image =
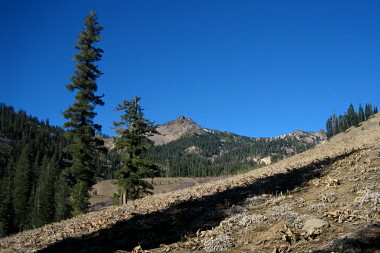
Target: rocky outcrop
{"points": [[174, 129]]}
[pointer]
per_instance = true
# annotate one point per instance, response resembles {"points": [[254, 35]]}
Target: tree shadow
{"points": [[172, 224], [365, 240]]}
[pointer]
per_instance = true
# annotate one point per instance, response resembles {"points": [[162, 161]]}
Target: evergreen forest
{"points": [[216, 153], [32, 192]]}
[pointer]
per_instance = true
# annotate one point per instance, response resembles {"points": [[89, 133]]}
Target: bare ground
{"points": [[102, 192], [323, 200]]}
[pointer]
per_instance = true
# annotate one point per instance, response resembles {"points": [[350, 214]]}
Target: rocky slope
{"points": [[307, 136], [325, 199]]}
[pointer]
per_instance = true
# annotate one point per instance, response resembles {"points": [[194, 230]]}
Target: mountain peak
{"points": [[174, 129], [182, 120]]}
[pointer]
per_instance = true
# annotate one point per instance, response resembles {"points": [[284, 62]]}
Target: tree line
{"points": [[340, 123]]}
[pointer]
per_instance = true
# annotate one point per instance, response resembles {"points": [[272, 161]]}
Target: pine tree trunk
{"points": [[123, 197]]}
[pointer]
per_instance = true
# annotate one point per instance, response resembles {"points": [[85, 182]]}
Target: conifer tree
{"points": [[43, 204], [23, 188], [134, 142], [352, 117], [61, 200], [361, 115], [368, 111], [329, 127], [81, 127], [6, 203]]}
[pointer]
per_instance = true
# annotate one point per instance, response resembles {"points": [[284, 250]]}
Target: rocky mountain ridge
{"points": [[173, 130], [301, 133]]}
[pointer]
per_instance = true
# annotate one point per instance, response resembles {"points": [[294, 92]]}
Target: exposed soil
{"points": [[102, 192], [329, 206], [323, 200]]}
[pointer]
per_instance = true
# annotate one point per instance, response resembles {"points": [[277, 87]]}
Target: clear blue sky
{"points": [[255, 68]]}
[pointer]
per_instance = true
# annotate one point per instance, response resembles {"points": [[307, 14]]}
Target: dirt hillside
{"points": [[102, 192], [323, 200], [106, 189]]}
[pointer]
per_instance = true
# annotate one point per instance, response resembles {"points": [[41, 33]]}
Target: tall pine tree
{"points": [[43, 205], [368, 111], [361, 115], [81, 126], [134, 142], [352, 117], [23, 188], [61, 199], [6, 202]]}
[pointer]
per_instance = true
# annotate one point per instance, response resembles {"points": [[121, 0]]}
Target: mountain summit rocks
{"points": [[174, 129]]}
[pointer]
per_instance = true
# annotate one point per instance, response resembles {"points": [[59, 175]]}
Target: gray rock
{"points": [[314, 223]]}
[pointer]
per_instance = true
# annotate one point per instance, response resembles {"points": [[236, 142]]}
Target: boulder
{"points": [[314, 223]]}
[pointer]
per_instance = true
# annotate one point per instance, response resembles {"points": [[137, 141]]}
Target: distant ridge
{"points": [[174, 129], [298, 134]]}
